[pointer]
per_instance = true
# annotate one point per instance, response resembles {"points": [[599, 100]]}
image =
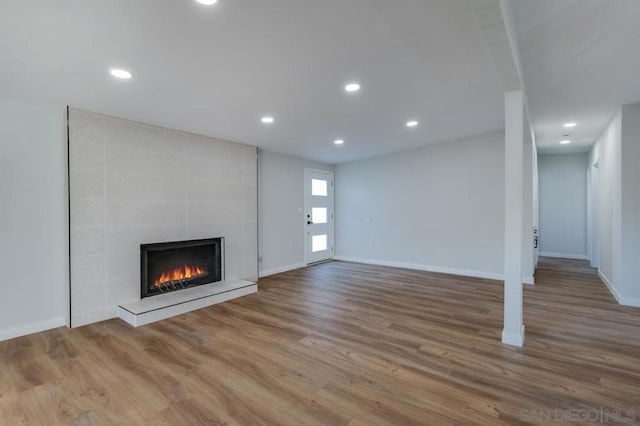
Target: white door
{"points": [[318, 215]]}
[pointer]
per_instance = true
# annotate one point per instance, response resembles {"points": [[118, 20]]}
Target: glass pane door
{"points": [[319, 220]]}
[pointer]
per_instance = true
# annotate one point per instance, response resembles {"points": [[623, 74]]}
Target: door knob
{"points": [[309, 222]]}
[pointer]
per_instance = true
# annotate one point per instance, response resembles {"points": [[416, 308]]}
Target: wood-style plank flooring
{"points": [[341, 344]]}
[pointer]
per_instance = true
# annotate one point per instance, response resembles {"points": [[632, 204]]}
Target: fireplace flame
{"points": [[180, 273]]}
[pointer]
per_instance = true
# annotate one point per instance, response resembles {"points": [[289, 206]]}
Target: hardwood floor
{"points": [[341, 344]]}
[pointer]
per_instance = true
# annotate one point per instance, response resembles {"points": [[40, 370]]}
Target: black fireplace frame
{"points": [[146, 248]]}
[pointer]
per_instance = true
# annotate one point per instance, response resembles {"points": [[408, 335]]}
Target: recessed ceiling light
{"points": [[565, 142], [338, 141], [352, 87], [207, 2], [120, 73], [412, 123], [267, 120], [570, 125]]}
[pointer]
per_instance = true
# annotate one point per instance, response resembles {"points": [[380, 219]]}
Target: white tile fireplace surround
{"points": [[133, 183]]}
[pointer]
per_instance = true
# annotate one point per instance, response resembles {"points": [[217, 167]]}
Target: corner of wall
{"points": [[280, 217], [33, 178]]}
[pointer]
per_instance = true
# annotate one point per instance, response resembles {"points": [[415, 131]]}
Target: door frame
{"points": [[332, 215], [593, 238]]}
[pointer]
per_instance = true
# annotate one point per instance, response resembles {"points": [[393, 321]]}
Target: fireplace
{"points": [[174, 266]]}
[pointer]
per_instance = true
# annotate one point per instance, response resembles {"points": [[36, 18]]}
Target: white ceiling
{"points": [[217, 70], [581, 61]]}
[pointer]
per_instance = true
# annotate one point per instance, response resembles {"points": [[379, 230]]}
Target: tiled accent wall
{"points": [[132, 183]]}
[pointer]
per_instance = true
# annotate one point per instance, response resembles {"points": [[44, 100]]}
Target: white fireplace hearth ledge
{"points": [[163, 306]]}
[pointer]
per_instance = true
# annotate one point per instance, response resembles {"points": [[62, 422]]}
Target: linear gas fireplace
{"points": [[173, 266]]}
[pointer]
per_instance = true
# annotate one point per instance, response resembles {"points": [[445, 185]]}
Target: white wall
{"points": [[437, 208], [563, 205], [617, 210], [33, 236], [280, 213], [606, 155], [630, 205]]}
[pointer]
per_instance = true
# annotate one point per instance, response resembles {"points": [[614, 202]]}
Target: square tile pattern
{"points": [[133, 183]]}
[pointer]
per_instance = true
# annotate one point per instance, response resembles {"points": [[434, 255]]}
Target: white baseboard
{"points": [[427, 268], [631, 301], [280, 270], [513, 339], [37, 327], [606, 281], [610, 286], [565, 256], [437, 269], [622, 300]]}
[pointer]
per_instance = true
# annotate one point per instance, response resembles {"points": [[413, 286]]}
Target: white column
{"points": [[513, 332]]}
